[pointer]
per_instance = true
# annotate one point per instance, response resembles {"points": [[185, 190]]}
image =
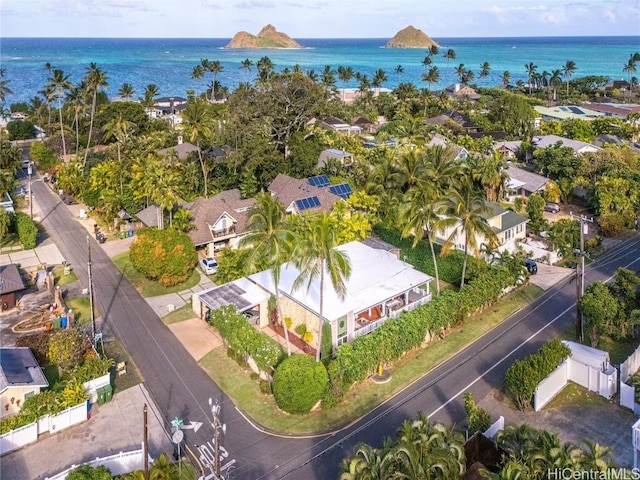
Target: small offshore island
{"points": [[268, 37], [411, 37]]}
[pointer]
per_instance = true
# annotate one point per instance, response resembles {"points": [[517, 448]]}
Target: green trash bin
{"points": [[102, 395], [108, 393], [123, 235], [57, 322]]}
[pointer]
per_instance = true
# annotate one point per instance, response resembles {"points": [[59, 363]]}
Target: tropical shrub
{"points": [[21, 130], [478, 418], [326, 347], [611, 225], [26, 230], [244, 339], [38, 343], [410, 330], [338, 385], [87, 472], [66, 348], [166, 256], [524, 375], [91, 368], [449, 267], [300, 329], [299, 383]]}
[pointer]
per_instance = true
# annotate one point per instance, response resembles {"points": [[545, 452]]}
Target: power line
{"points": [[584, 229]]}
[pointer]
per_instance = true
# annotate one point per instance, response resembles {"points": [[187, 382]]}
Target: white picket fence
{"points": [[118, 464], [52, 424]]}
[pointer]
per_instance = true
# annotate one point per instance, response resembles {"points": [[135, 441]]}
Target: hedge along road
{"points": [[180, 388]]}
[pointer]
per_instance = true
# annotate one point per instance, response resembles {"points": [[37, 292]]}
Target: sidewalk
{"points": [[114, 427]]}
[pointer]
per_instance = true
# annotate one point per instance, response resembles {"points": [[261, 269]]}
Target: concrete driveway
{"points": [[549, 275]]}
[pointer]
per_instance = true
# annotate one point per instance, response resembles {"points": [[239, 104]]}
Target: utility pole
{"points": [[145, 444], [30, 172], [93, 318], [217, 425], [584, 229]]}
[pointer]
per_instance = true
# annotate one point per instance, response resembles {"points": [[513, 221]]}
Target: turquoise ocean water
{"points": [[168, 63]]}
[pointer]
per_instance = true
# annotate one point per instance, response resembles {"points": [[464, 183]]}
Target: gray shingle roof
{"points": [[532, 181], [10, 279]]}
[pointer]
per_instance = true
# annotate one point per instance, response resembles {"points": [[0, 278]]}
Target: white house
{"points": [[379, 288]]}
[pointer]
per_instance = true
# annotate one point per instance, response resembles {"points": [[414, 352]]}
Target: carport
{"points": [[244, 294]]}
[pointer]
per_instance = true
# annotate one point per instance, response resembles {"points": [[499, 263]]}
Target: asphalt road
{"points": [[181, 388]]}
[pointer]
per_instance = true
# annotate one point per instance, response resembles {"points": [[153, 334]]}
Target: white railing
{"points": [[118, 464], [370, 327]]}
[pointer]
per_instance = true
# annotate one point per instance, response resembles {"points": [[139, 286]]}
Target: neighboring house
{"points": [[508, 149], [220, 220], [566, 112], [496, 135], [379, 288], [524, 183], [181, 150], [365, 125], [150, 216], [508, 226], [10, 283], [455, 120], [621, 85], [345, 158], [577, 146], [459, 92], [170, 105], [461, 153], [299, 196], [618, 110], [338, 125], [20, 378]]}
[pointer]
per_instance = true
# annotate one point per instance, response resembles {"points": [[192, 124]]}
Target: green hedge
{"points": [[299, 383], [242, 337], [26, 230], [524, 375], [449, 267], [389, 342]]}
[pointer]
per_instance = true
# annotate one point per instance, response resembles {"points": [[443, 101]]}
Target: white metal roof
{"points": [[376, 276]]}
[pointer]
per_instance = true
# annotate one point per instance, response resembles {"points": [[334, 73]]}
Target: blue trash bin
{"points": [[130, 233], [63, 321]]}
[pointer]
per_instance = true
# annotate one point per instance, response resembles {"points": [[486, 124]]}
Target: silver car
{"points": [[209, 265]]}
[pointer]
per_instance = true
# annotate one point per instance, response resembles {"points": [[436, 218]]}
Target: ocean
{"points": [[168, 63]]}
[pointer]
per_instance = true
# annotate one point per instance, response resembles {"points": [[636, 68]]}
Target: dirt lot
{"points": [[605, 423]]}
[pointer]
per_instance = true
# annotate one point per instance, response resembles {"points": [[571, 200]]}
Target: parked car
{"points": [[531, 265], [209, 265], [551, 207]]}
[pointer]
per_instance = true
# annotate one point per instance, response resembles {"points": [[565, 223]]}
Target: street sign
{"points": [[195, 426], [176, 422], [177, 437]]}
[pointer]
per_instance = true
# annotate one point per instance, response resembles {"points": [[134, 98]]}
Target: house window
{"points": [[29, 394], [508, 234], [342, 339], [519, 228]]}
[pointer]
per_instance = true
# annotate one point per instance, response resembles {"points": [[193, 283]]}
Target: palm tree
{"points": [[121, 130], [378, 79], [433, 76], [60, 83], [399, 70], [265, 68], [630, 67], [506, 78], [126, 91], [198, 126], [450, 55], [214, 67], [367, 463], [4, 88], [492, 175], [555, 80], [150, 92], [485, 68], [531, 70], [427, 61], [316, 254], [419, 218], [345, 74], [96, 79], [198, 72], [163, 469], [461, 71], [328, 77], [568, 70], [271, 242], [464, 211], [246, 65]]}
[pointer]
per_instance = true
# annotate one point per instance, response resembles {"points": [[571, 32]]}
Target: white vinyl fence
{"points": [[630, 366], [495, 428], [118, 464], [91, 387], [19, 437], [598, 377]]}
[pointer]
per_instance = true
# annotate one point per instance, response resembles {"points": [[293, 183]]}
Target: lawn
{"points": [[619, 350], [179, 315], [149, 288], [59, 278], [362, 398], [114, 349], [81, 309], [10, 241], [574, 394]]}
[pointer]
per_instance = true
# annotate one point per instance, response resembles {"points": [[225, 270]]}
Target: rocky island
{"points": [[411, 37], [268, 37]]}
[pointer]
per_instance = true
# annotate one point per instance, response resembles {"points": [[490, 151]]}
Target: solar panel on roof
{"points": [[576, 110], [14, 367], [306, 203], [319, 181], [343, 190]]}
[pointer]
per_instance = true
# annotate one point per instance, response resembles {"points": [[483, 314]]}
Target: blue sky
{"points": [[317, 18]]}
